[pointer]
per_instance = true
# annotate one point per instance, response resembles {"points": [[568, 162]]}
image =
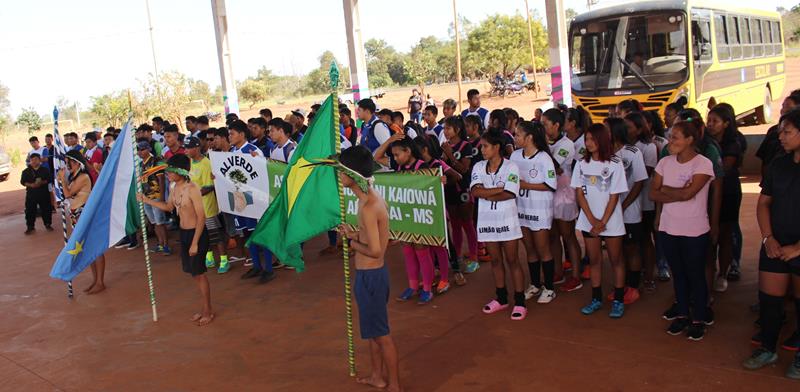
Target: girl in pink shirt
{"points": [[680, 185]]}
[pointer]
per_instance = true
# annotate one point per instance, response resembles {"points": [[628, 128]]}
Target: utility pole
{"points": [[153, 50], [458, 53], [530, 40]]}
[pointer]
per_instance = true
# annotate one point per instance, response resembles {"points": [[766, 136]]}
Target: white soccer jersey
{"points": [[598, 180], [580, 147], [635, 171], [650, 155], [535, 208], [563, 151], [497, 220]]}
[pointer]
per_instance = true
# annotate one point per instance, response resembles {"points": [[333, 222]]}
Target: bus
{"points": [[656, 51]]}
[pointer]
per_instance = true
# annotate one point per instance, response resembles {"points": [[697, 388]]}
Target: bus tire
{"points": [[764, 112]]}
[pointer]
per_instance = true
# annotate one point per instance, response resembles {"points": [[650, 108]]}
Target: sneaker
{"points": [[696, 332], [678, 326], [210, 263], [631, 295], [547, 296], [406, 295], [425, 297], [671, 313], [234, 259], [266, 276], [133, 245], [442, 287], [166, 251], [593, 306], [278, 265], [460, 279], [709, 320], [472, 266], [559, 279], [761, 357], [720, 284], [586, 274], [734, 274], [123, 243], [617, 310], [792, 343], [531, 292], [650, 286], [155, 249], [251, 273], [571, 284], [793, 371], [567, 265], [663, 275], [224, 266]]}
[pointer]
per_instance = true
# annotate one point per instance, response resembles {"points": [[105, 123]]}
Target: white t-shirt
{"points": [[635, 171], [660, 143], [563, 151], [535, 208], [497, 220], [598, 181], [381, 132], [650, 155], [284, 153], [580, 147]]}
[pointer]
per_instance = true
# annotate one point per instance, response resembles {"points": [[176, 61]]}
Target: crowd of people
{"points": [[661, 196]]}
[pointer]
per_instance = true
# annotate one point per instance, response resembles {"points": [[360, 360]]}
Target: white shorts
{"points": [[500, 225], [565, 208]]}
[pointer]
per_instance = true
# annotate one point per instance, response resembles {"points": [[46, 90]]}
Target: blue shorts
{"points": [[372, 294], [155, 215]]}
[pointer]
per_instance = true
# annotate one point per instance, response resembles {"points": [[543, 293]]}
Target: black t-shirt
{"points": [[731, 147], [30, 175], [782, 183], [770, 147]]}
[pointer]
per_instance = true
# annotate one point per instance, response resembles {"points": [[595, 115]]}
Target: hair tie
{"points": [[689, 119]]}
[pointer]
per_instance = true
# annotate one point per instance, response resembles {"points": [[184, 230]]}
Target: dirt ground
{"points": [[288, 335]]}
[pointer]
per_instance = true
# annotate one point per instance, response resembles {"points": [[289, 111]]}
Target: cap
{"points": [[299, 112], [191, 142], [143, 146]]}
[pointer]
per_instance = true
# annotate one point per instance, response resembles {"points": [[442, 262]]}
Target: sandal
{"points": [[519, 313], [493, 307]]}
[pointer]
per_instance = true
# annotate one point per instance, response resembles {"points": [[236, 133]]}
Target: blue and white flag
{"points": [[107, 213], [59, 152]]}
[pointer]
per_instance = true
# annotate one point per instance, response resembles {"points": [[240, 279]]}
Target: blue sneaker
{"points": [[425, 297], [617, 309], [224, 266], [406, 295], [472, 266], [594, 306], [157, 249], [166, 250]]}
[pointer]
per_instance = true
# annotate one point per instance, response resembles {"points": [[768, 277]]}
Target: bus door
{"points": [[701, 47]]}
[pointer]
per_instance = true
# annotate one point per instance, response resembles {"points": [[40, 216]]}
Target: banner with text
{"points": [[241, 183], [415, 201]]}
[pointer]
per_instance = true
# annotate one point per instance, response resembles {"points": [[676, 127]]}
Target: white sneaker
{"points": [[531, 292], [720, 284], [547, 296]]}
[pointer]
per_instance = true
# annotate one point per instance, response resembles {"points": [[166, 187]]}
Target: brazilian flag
{"points": [[308, 201]]}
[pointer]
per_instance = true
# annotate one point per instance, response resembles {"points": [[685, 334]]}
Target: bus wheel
{"points": [[764, 112]]}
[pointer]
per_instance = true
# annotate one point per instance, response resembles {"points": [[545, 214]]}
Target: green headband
{"points": [[363, 182], [178, 171]]}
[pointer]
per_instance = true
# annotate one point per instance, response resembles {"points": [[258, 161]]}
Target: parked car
{"points": [[5, 164]]}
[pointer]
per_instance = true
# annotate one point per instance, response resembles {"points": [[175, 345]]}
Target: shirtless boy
{"points": [[372, 277], [188, 201]]}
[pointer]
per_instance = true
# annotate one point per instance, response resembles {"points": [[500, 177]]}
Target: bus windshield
{"points": [[629, 52]]}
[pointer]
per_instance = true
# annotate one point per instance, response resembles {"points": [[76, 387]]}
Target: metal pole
{"points": [[458, 53], [230, 96], [559, 56], [359, 81], [153, 50], [530, 40]]}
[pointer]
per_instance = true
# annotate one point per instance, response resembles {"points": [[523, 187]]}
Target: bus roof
{"points": [[629, 7]]}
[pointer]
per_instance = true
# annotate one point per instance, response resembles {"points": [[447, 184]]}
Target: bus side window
{"points": [[744, 33], [758, 37], [767, 27], [701, 34], [721, 33], [776, 38], [733, 37]]}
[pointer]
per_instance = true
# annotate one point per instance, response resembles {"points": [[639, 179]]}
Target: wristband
{"points": [[765, 238]]}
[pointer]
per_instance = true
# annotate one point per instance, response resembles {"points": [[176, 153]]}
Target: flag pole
{"points": [[62, 203], [142, 223], [458, 53], [348, 305]]}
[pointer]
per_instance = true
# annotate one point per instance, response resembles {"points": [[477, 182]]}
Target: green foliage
{"points": [[420, 64], [111, 109], [317, 81], [167, 97], [500, 43], [199, 90], [5, 120], [16, 157], [29, 119], [66, 109], [253, 91]]}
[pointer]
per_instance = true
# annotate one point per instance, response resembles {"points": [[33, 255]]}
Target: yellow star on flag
{"points": [[78, 248]]}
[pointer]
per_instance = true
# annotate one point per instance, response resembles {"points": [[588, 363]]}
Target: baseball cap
{"points": [[299, 112], [191, 142]]}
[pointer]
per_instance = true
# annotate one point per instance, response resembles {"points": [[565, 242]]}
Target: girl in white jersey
{"points": [[576, 121], [636, 175], [599, 179], [565, 208], [639, 131], [495, 184], [535, 205]]}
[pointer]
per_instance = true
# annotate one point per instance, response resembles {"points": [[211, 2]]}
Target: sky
{"points": [[83, 48]]}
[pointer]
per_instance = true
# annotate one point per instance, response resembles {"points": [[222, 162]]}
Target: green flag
{"points": [[308, 201]]}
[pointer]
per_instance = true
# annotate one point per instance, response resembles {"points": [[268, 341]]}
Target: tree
{"points": [[253, 91], [318, 80], [4, 104], [379, 55], [111, 109], [166, 98], [420, 65], [30, 119], [500, 43], [66, 109], [199, 90], [570, 14]]}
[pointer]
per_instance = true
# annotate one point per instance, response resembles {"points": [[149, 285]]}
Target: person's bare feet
{"points": [[205, 320], [373, 381], [96, 289], [196, 317], [89, 288]]}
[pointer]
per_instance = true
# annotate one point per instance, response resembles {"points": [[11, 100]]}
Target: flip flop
{"points": [[518, 313], [196, 317], [201, 323], [493, 307]]}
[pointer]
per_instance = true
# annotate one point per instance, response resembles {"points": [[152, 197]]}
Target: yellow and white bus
{"points": [[656, 51]]}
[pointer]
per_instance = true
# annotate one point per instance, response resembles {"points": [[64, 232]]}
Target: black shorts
{"points": [[778, 266], [194, 265], [371, 290], [729, 210], [648, 221], [633, 233]]}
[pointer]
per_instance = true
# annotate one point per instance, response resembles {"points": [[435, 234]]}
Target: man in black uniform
{"points": [[37, 196]]}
